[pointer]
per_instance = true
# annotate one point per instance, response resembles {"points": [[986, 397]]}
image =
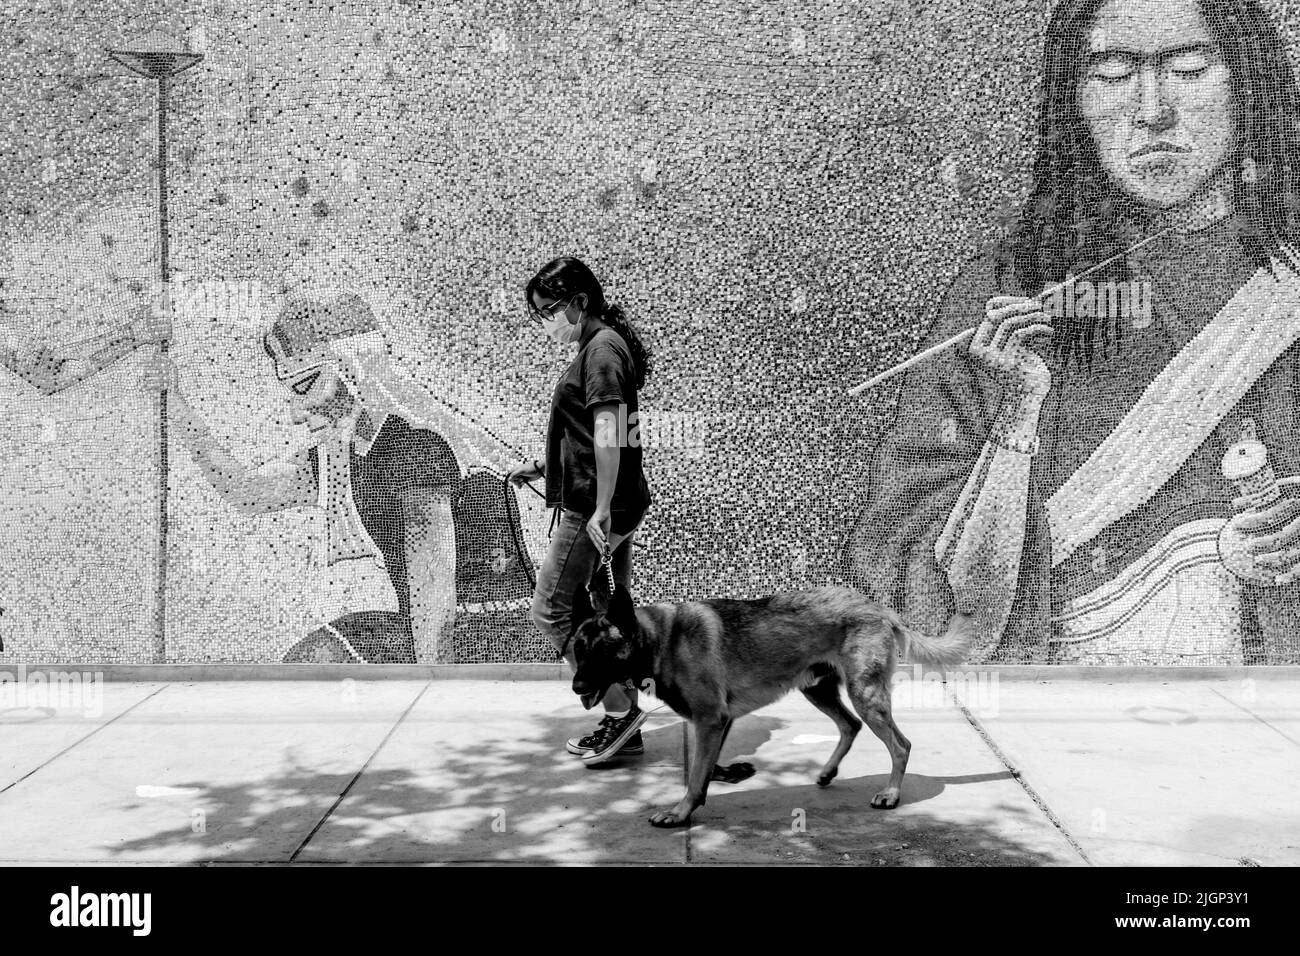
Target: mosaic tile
{"points": [[786, 200]]}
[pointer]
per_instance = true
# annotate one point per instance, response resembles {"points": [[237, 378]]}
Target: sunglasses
{"points": [[303, 385], [287, 367]]}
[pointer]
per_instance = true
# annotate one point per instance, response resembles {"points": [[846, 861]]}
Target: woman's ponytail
{"points": [[617, 321]]}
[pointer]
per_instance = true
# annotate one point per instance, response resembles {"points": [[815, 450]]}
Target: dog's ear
{"points": [[582, 609], [621, 609]]}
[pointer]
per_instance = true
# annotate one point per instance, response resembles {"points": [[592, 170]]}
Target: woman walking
{"points": [[592, 470]]}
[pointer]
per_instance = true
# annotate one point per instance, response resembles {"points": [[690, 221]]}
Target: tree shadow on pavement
{"points": [[809, 824], [502, 795]]}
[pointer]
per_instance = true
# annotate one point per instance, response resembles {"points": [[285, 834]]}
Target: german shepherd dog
{"points": [[713, 661]]}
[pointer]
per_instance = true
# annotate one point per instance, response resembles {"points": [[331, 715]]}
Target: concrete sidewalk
{"points": [[1033, 772]]}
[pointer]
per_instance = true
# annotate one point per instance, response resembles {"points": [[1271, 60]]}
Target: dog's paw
{"points": [[886, 799], [670, 818], [733, 772], [824, 779]]}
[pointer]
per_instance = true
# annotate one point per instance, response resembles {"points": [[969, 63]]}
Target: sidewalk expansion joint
{"points": [[1256, 716], [82, 740], [1016, 775], [357, 776]]}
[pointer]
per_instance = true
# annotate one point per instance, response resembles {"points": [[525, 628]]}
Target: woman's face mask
{"points": [[558, 328]]}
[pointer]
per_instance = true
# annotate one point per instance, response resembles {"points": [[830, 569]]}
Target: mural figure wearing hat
{"points": [[386, 467]]}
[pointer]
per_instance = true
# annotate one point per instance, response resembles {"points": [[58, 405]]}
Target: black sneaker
{"points": [[614, 735], [581, 746]]}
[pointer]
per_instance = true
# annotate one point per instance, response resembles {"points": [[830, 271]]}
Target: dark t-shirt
{"points": [[603, 373], [492, 567], [401, 458]]}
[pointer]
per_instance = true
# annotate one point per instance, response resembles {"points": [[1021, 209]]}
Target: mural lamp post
{"points": [[156, 58]]}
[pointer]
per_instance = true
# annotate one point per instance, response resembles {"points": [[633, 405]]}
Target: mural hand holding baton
{"points": [[161, 375], [987, 522], [1000, 339], [152, 324]]}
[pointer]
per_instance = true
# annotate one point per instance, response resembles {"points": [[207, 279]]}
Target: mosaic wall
{"points": [[786, 198]]}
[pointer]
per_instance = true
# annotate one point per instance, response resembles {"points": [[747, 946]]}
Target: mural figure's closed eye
{"points": [[1116, 66]]}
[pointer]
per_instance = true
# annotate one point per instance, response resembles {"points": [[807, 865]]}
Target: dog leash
{"points": [[630, 685], [607, 562], [607, 559]]}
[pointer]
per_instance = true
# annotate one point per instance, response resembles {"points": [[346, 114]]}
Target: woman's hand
{"points": [[522, 474], [1001, 345], [1273, 533], [598, 528]]}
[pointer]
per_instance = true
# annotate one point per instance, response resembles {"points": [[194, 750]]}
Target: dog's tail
{"points": [[943, 651]]}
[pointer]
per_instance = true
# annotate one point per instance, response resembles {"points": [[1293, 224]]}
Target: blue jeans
{"points": [[570, 564]]}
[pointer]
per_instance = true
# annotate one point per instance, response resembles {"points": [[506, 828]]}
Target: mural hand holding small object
{"points": [[1273, 533], [1261, 543]]}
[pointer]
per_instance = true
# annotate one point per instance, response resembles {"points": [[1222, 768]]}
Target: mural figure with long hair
{"points": [[1107, 471]]}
